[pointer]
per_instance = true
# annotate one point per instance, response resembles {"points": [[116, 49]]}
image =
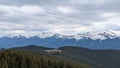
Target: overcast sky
{"points": [[31, 17]]}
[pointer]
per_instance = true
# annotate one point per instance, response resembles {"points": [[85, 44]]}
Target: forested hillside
{"points": [[23, 59]]}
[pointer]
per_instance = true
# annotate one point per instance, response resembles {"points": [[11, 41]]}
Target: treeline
{"points": [[21, 59]]}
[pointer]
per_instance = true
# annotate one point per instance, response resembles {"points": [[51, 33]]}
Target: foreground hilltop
{"points": [[22, 59], [88, 57]]}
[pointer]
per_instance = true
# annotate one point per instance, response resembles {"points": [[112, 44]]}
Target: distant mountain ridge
{"points": [[101, 40], [108, 34], [31, 48]]}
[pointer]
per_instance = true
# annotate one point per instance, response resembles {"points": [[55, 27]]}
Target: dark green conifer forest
{"points": [[22, 59]]}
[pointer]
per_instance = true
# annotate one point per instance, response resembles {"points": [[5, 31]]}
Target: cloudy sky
{"points": [[31, 17]]}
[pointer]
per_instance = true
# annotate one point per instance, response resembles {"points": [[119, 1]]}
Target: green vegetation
{"points": [[23, 59]]}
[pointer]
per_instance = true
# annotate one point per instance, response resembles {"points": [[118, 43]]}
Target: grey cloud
{"points": [[82, 14], [106, 6], [2, 13], [32, 2]]}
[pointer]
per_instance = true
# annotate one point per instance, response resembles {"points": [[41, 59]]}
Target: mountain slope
{"points": [[99, 58]]}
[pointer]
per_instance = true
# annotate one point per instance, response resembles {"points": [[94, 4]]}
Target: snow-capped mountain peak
{"points": [[108, 34]]}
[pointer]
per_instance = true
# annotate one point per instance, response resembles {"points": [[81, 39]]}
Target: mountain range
{"points": [[101, 40]]}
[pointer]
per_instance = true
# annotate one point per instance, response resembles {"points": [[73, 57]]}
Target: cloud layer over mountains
{"points": [[30, 17]]}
